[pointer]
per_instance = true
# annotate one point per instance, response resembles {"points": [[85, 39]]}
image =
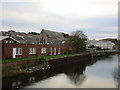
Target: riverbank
{"points": [[101, 69], [40, 57], [13, 67], [28, 65]]}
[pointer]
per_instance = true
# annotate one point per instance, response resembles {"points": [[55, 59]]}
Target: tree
{"points": [[33, 33], [65, 35], [77, 41]]}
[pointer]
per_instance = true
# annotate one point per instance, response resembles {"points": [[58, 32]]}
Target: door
{"points": [[14, 52]]}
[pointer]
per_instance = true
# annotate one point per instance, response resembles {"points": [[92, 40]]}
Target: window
{"points": [[50, 51], [32, 50], [44, 41], [40, 41], [18, 51], [54, 51], [58, 50], [10, 41], [6, 41], [43, 50]]}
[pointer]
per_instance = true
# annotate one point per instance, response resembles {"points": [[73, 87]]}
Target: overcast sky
{"points": [[96, 18]]}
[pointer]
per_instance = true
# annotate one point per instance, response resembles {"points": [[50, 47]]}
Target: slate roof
{"points": [[53, 34], [20, 39], [5, 37]]}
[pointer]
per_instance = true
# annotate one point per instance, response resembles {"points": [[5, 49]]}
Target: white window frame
{"points": [[32, 50], [59, 49], [50, 51], [54, 51], [18, 51], [43, 50]]}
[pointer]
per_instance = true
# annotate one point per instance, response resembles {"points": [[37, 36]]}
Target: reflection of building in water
{"points": [[31, 79], [16, 84], [74, 71]]}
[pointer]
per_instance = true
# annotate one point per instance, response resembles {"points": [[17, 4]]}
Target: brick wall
{"points": [[7, 49], [70, 59]]}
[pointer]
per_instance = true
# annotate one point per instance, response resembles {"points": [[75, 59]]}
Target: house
{"points": [[21, 37], [110, 39], [11, 48], [51, 37], [18, 50], [44, 37], [103, 44], [8, 40], [19, 45], [32, 39], [114, 41]]}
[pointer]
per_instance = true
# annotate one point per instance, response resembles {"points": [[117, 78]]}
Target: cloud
{"points": [[91, 16]]}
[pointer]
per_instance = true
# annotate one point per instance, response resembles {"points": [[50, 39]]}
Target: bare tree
{"points": [[77, 41]]}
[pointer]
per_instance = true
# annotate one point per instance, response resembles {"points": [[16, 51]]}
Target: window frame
{"points": [[59, 51], [43, 50], [32, 50], [55, 49], [18, 51]]}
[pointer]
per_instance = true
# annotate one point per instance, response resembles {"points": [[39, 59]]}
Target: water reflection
{"points": [[16, 84], [31, 80], [116, 73], [94, 74], [116, 76], [73, 72], [77, 75], [77, 79]]}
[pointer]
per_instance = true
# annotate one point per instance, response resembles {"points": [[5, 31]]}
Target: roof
{"points": [[20, 39], [53, 34], [111, 39], [5, 37]]}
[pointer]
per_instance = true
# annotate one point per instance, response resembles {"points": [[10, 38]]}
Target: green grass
{"points": [[37, 58]]}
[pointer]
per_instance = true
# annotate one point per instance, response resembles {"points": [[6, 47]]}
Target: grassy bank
{"points": [[38, 58]]}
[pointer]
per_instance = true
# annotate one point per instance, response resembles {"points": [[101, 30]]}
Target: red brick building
{"points": [[7, 40], [17, 50], [13, 49]]}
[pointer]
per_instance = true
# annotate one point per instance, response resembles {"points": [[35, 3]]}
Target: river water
{"points": [[97, 73]]}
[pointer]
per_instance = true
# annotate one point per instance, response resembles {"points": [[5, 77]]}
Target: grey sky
{"points": [[97, 18]]}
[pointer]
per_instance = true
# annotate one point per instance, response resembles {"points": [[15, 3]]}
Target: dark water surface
{"points": [[97, 73]]}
